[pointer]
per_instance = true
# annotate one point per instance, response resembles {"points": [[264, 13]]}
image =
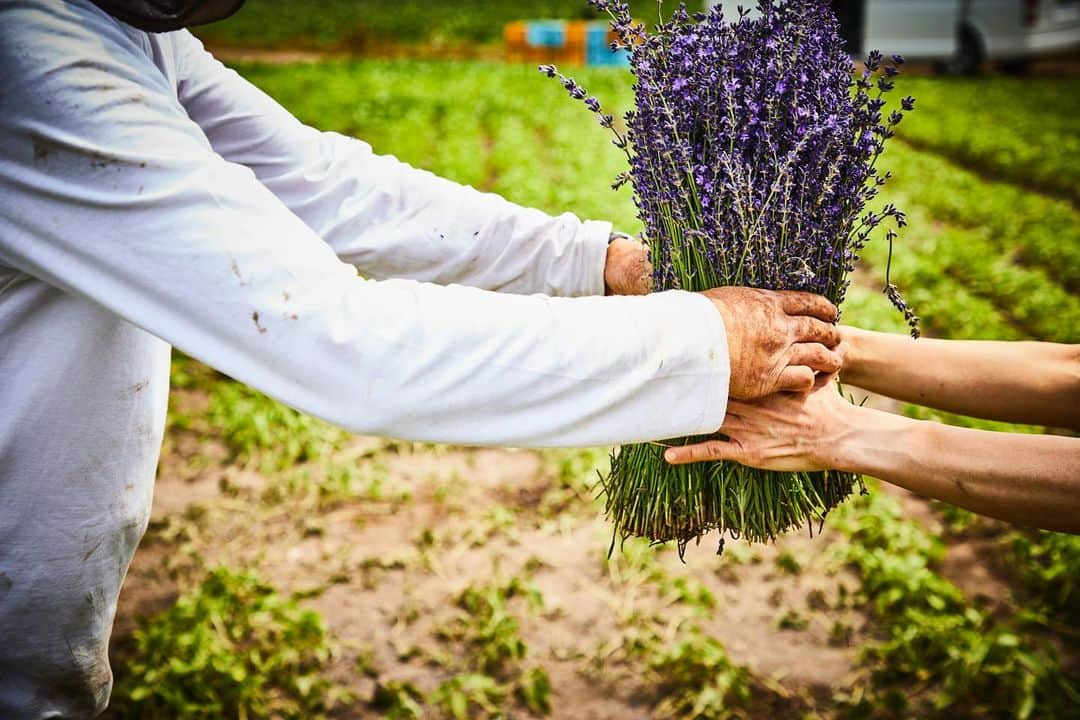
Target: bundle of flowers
{"points": [[752, 152]]}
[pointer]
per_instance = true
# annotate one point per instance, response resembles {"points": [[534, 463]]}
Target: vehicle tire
{"points": [[969, 54], [1015, 67]]}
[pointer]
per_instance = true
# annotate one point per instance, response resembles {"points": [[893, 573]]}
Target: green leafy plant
{"points": [[534, 690], [230, 648], [699, 680], [470, 695], [256, 427], [1049, 567], [488, 627], [940, 654], [491, 671], [398, 700]]}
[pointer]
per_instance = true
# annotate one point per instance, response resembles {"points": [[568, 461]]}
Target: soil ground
{"points": [[385, 563]]}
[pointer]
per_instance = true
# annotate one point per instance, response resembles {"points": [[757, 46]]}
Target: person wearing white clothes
{"points": [[150, 197]]}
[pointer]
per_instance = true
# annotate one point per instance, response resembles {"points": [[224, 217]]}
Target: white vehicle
{"points": [[958, 34]]}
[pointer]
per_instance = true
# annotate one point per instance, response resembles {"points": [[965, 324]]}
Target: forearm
{"points": [[390, 220], [1026, 382], [406, 223], [1025, 479], [130, 209]]}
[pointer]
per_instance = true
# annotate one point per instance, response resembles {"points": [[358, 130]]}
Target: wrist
{"points": [[854, 343], [873, 442], [627, 270]]}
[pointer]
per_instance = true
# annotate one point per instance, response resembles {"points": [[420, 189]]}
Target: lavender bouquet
{"points": [[752, 152]]}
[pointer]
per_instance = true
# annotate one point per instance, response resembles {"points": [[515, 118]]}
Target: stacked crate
{"points": [[575, 42]]}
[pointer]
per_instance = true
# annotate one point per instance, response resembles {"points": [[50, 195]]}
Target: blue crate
{"points": [[606, 57], [546, 33], [599, 52]]}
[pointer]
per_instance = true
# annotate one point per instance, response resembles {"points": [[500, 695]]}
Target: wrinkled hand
{"points": [[776, 340], [791, 432], [627, 270]]}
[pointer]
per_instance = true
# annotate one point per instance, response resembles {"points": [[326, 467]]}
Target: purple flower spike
{"points": [[752, 146]]}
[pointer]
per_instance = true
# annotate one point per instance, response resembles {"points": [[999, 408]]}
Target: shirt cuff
{"points": [[593, 236], [717, 362]]}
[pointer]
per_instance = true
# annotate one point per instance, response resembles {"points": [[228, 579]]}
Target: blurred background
{"points": [[294, 571]]}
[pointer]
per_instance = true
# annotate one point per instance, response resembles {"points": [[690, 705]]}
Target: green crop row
{"points": [[947, 307], [260, 429], [1023, 131], [941, 656], [1048, 565], [354, 24], [501, 128], [229, 647], [930, 257], [1035, 230], [490, 679], [689, 671]]}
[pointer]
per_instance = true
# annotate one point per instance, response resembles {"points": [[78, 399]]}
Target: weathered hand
{"points": [[793, 432], [627, 270], [776, 340]]}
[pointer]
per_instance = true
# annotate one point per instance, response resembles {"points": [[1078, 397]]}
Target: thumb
{"points": [[704, 451]]}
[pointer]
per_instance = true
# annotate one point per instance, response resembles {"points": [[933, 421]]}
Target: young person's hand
{"points": [[792, 432]]}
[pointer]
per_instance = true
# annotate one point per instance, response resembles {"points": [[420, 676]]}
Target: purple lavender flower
{"points": [[754, 138], [752, 149]]}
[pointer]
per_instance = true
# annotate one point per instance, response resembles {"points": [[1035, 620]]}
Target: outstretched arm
{"points": [[1026, 382], [109, 192], [391, 220], [1032, 480]]}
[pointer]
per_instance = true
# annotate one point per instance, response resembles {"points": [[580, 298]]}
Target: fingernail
{"points": [[669, 455]]}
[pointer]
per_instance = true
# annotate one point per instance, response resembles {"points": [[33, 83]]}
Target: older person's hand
{"points": [[793, 432], [627, 270], [777, 340]]}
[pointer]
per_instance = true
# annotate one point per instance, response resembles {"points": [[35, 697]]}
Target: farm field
{"points": [[299, 571], [349, 24]]}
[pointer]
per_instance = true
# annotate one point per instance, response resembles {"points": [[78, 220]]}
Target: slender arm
{"points": [[1026, 382], [1027, 479], [1031, 480]]}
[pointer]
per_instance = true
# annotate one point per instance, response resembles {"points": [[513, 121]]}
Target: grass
{"points": [[1013, 129], [356, 23]]}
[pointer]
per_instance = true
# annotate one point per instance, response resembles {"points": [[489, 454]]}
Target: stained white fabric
{"points": [[149, 198]]}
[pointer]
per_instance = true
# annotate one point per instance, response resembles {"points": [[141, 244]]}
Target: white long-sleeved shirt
{"points": [[151, 197]]}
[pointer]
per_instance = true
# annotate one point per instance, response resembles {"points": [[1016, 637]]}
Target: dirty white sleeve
{"points": [[110, 191], [385, 217]]}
